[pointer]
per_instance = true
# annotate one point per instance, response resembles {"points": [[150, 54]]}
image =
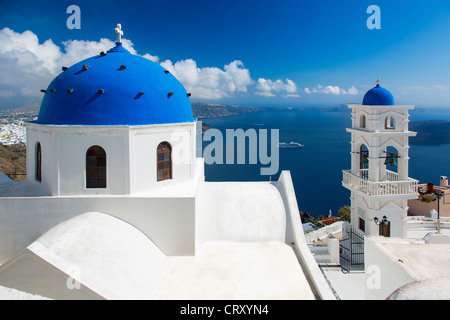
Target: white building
{"points": [[116, 206], [402, 257], [378, 179]]}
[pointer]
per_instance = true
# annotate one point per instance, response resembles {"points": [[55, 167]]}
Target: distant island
{"points": [[430, 133], [213, 110]]}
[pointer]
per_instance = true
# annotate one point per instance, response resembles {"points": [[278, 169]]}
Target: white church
{"points": [[115, 205]]}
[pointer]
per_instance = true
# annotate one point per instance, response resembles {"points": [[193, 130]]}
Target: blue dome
{"points": [[116, 88], [378, 96]]}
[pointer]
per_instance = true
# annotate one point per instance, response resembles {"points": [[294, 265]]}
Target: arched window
{"points": [[389, 123], [96, 167], [164, 161], [38, 168], [364, 160], [362, 121]]}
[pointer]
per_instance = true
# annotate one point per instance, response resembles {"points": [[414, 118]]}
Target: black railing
{"points": [[351, 249]]}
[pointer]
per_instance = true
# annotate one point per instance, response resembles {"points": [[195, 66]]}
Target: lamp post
{"points": [[384, 221], [439, 195]]}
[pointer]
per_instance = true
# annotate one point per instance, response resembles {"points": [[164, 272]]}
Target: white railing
{"points": [[391, 175], [390, 187], [424, 222]]}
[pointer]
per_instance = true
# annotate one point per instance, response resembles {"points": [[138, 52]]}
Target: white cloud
{"points": [[334, 90], [28, 66], [270, 88], [210, 82], [352, 91], [151, 58]]}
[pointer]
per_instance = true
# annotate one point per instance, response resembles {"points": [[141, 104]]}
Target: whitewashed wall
{"points": [[168, 222], [131, 153]]}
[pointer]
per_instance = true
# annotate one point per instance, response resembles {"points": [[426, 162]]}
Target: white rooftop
{"points": [[235, 271], [111, 259]]}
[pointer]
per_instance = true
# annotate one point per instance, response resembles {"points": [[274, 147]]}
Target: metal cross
{"points": [[119, 32]]}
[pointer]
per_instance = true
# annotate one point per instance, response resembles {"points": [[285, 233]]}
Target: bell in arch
{"points": [[391, 160]]}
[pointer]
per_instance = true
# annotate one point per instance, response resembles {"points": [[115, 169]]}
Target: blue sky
{"points": [[280, 53]]}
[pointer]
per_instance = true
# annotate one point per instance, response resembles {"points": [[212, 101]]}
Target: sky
{"points": [[246, 52]]}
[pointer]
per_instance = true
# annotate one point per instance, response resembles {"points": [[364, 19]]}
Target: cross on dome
{"points": [[378, 81], [119, 32]]}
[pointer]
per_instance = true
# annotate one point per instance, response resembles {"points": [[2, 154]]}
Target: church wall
{"points": [[131, 156], [46, 139], [144, 142], [71, 149], [64, 157], [168, 222], [394, 211]]}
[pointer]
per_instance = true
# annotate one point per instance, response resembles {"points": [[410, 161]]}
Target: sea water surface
{"points": [[316, 168]]}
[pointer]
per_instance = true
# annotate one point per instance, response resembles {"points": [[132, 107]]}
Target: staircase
{"points": [[320, 253]]}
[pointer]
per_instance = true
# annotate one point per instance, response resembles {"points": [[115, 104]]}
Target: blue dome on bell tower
{"points": [[378, 96], [115, 88]]}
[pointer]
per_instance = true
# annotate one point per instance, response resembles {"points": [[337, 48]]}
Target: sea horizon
{"points": [[316, 167]]}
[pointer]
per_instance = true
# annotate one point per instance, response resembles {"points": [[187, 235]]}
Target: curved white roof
{"points": [[108, 255], [240, 211]]}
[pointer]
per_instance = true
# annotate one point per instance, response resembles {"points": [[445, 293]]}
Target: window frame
{"points": [[93, 171], [389, 123], [164, 165], [362, 224], [362, 121], [38, 162]]}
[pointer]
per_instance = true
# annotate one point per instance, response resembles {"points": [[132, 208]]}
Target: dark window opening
{"points": [[96, 167], [362, 224], [38, 162], [164, 161]]}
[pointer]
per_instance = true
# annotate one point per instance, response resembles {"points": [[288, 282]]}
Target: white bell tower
{"points": [[378, 179]]}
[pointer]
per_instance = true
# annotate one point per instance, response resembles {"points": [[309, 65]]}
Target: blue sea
{"points": [[316, 168]]}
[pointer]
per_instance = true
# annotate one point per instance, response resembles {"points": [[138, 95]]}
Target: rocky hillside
{"points": [[13, 161]]}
